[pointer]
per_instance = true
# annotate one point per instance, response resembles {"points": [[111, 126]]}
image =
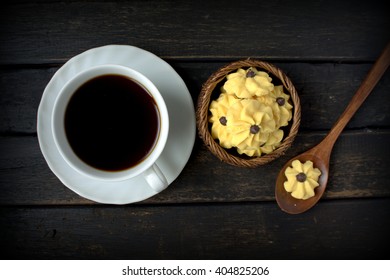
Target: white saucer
{"points": [[181, 114]]}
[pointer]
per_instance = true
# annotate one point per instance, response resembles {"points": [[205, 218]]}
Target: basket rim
{"points": [[204, 100]]}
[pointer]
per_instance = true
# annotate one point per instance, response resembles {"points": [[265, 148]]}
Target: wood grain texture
{"points": [[358, 169], [37, 32], [324, 89], [331, 230], [212, 210]]}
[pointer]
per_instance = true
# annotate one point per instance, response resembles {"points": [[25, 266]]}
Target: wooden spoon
{"points": [[320, 154]]}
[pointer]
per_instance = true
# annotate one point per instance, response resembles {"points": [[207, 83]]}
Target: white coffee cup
{"points": [[147, 167]]}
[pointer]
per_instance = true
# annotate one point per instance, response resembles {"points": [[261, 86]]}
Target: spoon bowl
{"points": [[293, 205], [320, 154]]}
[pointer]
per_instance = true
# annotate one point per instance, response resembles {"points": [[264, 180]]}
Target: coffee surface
{"points": [[112, 123]]}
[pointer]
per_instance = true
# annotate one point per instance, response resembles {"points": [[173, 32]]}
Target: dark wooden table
{"points": [[212, 210]]}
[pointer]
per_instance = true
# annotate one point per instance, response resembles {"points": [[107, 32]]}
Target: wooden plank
{"points": [[359, 168], [348, 229], [34, 33], [20, 93], [324, 89]]}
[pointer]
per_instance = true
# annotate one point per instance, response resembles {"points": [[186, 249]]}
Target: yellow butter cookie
{"points": [[248, 83], [273, 141], [219, 120], [250, 123], [282, 109], [302, 179]]}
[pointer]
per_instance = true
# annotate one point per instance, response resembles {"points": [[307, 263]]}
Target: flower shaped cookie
{"points": [[219, 109], [302, 179], [281, 107], [250, 124], [248, 83], [272, 143]]}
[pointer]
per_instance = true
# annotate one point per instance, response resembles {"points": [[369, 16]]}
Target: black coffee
{"points": [[112, 122]]}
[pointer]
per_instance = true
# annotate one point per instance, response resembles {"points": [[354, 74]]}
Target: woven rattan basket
{"points": [[210, 91]]}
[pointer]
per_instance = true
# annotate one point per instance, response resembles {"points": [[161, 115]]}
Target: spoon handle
{"points": [[361, 94]]}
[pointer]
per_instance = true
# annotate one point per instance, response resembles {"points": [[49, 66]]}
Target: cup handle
{"points": [[155, 178]]}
